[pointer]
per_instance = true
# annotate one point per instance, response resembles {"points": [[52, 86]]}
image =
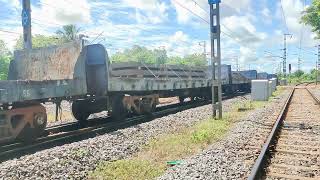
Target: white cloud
{"points": [[184, 16], [238, 5], [149, 11], [241, 28], [293, 16], [62, 12]]}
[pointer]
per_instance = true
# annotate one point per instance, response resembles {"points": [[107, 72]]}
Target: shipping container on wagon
{"points": [[270, 76], [262, 75], [250, 74]]}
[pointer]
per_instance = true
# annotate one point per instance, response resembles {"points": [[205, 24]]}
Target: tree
{"points": [[3, 49], [160, 56], [5, 57], [68, 32], [157, 56], [311, 16], [39, 41], [298, 73], [175, 60], [135, 54], [4, 66], [195, 60]]}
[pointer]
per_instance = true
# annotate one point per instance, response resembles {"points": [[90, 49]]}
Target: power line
{"points": [[10, 32], [284, 16], [301, 39], [232, 32], [203, 19], [200, 7], [191, 11]]}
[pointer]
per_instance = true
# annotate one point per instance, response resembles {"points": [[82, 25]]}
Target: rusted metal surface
{"points": [[44, 73], [13, 121], [23, 90], [50, 63], [141, 104], [141, 70], [238, 78], [150, 84]]}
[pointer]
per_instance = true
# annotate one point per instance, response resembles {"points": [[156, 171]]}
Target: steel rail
{"points": [[257, 171], [85, 133], [72, 126], [15, 150], [313, 96]]}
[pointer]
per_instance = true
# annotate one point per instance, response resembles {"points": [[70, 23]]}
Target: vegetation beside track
{"points": [[152, 160]]}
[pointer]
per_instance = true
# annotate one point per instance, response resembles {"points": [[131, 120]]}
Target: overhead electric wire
{"points": [[203, 19], [10, 32], [201, 7], [284, 16]]}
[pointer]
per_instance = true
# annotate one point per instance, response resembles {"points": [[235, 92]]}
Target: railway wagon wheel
{"points": [[79, 110], [119, 110], [35, 119]]}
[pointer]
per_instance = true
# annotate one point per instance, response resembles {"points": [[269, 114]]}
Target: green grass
{"points": [[126, 170], [152, 160], [278, 91]]}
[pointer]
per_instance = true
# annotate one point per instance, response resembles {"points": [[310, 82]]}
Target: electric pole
{"points": [[26, 24], [285, 54], [299, 63], [215, 57], [237, 63], [318, 65], [204, 44]]}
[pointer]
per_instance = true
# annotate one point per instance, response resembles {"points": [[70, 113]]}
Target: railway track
{"points": [[292, 150], [69, 133], [73, 132]]}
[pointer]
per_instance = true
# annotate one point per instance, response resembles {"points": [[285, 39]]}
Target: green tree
{"points": [[135, 54], [3, 49], [4, 66], [39, 41], [68, 32], [160, 56], [311, 16], [298, 73], [157, 56], [195, 60], [175, 60], [5, 57]]}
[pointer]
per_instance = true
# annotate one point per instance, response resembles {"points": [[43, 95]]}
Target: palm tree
{"points": [[68, 32]]}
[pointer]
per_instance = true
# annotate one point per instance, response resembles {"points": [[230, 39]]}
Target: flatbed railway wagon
{"points": [[83, 74]]}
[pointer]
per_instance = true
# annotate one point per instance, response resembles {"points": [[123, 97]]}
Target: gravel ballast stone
{"points": [[231, 158], [75, 160]]}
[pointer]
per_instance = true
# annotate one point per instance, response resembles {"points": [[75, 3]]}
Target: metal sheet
{"points": [[226, 77], [263, 75], [20, 90], [50, 63], [250, 74], [156, 71], [148, 84]]}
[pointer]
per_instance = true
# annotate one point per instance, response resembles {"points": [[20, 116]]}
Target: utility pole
{"points": [[285, 54], [215, 57], [299, 63], [204, 44], [318, 65], [237, 63], [26, 24]]}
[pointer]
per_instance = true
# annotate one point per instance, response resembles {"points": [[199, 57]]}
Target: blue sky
{"points": [[252, 27]]}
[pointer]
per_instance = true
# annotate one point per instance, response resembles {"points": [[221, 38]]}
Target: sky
{"points": [[252, 30]]}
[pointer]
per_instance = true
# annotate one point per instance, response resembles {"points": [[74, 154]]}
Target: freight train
{"points": [[84, 75]]}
